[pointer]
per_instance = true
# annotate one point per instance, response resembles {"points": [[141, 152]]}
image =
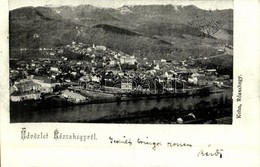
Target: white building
{"points": [[112, 62], [95, 78], [126, 84], [163, 60], [101, 48], [54, 69], [128, 60], [193, 80], [73, 96], [25, 96], [45, 83]]}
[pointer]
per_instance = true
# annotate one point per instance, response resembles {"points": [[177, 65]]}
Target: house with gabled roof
{"points": [[43, 81]]}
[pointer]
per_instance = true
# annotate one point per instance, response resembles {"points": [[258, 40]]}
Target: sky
{"points": [[203, 4]]}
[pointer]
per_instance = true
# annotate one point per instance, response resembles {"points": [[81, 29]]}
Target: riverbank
{"points": [[99, 97], [133, 111]]}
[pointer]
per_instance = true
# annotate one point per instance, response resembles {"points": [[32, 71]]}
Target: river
{"points": [[92, 112]]}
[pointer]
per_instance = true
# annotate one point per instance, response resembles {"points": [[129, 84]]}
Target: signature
{"points": [[216, 153]]}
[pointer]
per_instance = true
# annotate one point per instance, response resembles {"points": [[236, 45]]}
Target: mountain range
{"points": [[153, 31]]}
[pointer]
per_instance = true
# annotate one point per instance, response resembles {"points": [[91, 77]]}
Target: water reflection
{"points": [[92, 112]]}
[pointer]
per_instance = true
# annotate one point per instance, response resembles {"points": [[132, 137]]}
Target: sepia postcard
{"points": [[130, 83]]}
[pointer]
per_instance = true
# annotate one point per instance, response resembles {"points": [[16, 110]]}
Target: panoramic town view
{"points": [[139, 64]]}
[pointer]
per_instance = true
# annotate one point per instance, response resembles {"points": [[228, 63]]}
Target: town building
{"points": [[27, 86], [76, 97], [126, 84], [46, 83], [128, 60], [193, 80], [101, 48], [31, 95], [54, 69], [95, 78]]}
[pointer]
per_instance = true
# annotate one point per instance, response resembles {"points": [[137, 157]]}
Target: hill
{"points": [[153, 31]]}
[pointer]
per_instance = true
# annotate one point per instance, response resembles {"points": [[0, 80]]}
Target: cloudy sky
{"points": [[204, 4]]}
